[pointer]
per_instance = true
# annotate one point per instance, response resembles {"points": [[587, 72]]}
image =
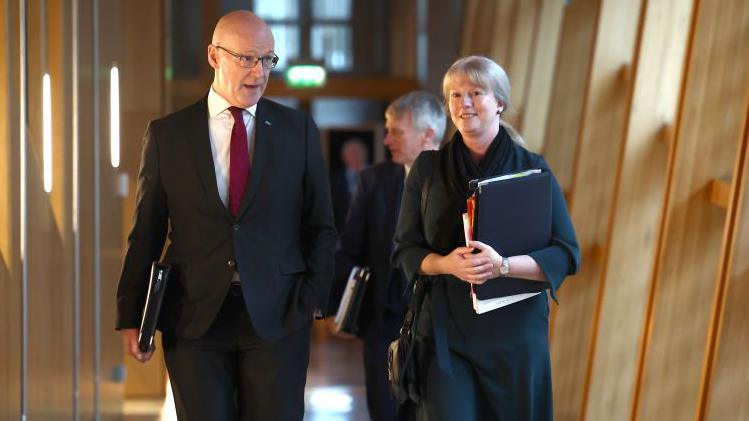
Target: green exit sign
{"points": [[305, 76]]}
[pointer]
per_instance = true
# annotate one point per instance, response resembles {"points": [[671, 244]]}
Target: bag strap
{"points": [[418, 289]]}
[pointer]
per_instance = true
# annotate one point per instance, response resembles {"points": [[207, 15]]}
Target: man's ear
{"points": [[427, 139], [213, 56]]}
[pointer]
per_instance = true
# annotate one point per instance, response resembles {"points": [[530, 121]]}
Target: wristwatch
{"points": [[504, 266]]}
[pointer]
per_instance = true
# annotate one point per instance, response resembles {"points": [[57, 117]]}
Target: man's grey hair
{"points": [[426, 112]]}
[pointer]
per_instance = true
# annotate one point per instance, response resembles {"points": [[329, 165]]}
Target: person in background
{"points": [[239, 184], [492, 366], [415, 122], [343, 183]]}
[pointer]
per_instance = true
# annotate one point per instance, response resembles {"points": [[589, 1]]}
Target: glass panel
{"points": [[277, 9], [332, 44], [331, 9], [287, 44], [187, 49], [346, 112]]}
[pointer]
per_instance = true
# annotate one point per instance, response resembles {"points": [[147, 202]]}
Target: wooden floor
{"points": [[335, 384]]}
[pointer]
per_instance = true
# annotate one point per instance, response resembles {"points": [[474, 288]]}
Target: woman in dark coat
{"points": [[492, 366]]}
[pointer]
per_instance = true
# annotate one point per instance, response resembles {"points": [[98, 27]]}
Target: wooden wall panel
{"points": [[715, 103], [50, 305], [142, 99], [87, 404], [569, 88], [479, 19], [403, 38], [604, 120], [5, 150], [10, 285], [502, 28], [43, 351], [726, 387], [518, 65], [110, 241], [636, 216], [58, 66], [541, 74]]}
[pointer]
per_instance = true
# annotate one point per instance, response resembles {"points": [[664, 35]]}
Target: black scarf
{"points": [[459, 168]]}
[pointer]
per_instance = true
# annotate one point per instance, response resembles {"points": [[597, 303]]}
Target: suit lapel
{"points": [[197, 130], [263, 131]]}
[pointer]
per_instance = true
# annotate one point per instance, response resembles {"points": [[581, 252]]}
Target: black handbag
{"points": [[402, 369], [401, 365]]}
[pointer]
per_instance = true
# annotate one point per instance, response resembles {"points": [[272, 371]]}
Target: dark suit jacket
{"points": [[367, 240], [341, 198], [281, 243]]}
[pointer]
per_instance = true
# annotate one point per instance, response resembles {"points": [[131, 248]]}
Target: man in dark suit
{"points": [[343, 183], [414, 122], [239, 185]]}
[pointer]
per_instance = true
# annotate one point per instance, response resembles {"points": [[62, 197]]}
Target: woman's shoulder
{"points": [[530, 159]]}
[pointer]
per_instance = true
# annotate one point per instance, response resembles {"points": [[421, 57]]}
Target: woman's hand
{"points": [[491, 255], [466, 266]]}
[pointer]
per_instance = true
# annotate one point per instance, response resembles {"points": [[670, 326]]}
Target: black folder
{"points": [[155, 296], [514, 217], [347, 317]]}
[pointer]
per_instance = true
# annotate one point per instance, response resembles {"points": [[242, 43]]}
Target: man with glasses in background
{"points": [[239, 184], [415, 122]]}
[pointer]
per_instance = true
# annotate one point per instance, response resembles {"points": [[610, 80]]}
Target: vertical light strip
{"points": [[23, 103], [114, 116], [47, 132], [76, 217]]}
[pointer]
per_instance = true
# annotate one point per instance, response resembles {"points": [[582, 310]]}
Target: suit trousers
{"points": [[380, 401], [230, 373]]}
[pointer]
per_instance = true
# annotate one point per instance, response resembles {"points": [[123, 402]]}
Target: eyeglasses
{"points": [[268, 62]]}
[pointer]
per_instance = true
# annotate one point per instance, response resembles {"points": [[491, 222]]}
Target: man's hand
{"points": [[130, 345]]}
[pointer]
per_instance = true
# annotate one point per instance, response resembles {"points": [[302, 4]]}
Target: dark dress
{"points": [[493, 366]]}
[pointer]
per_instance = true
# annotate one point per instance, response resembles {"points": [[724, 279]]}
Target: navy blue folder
{"points": [[514, 217]]}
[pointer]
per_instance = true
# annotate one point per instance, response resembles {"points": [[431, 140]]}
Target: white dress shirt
{"points": [[220, 124]]}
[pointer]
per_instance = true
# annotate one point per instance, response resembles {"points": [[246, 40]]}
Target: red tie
{"points": [[239, 161]]}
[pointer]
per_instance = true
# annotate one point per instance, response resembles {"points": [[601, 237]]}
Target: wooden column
{"points": [[569, 87], [599, 151], [142, 96], [687, 280], [50, 283], [479, 15], [403, 38], [724, 388], [10, 280], [627, 269], [541, 74], [519, 62]]}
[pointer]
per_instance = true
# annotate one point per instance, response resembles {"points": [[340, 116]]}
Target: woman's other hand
{"points": [[461, 263]]}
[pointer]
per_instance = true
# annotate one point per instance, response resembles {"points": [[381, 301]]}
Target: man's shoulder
{"points": [[187, 113], [269, 107], [383, 171]]}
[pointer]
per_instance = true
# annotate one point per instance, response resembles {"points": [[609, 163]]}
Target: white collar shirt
{"points": [[220, 124]]}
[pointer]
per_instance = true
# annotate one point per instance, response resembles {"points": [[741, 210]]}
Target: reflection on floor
{"points": [[335, 384]]}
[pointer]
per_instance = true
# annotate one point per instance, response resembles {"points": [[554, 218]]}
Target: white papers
{"points": [[482, 306]]}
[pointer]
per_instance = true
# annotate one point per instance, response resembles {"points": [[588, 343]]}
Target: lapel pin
{"points": [[267, 123]]}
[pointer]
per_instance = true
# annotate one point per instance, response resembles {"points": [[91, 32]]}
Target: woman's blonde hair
{"points": [[483, 72]]}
